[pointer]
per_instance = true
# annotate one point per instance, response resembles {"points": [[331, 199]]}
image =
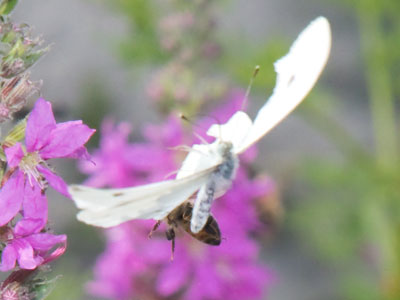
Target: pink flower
{"points": [[22, 195], [134, 267], [15, 195], [46, 139], [119, 163], [28, 246], [25, 243]]}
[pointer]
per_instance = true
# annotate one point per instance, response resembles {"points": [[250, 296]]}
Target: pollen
{"points": [[28, 166]]}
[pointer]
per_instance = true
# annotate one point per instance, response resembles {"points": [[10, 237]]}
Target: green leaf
{"points": [[42, 289], [7, 6], [16, 134]]}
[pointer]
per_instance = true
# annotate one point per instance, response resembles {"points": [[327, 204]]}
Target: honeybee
{"points": [[180, 217]]}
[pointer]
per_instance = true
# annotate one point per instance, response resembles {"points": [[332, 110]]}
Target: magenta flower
{"points": [[25, 243], [134, 267], [16, 195], [119, 163], [28, 246], [46, 139], [22, 194]]}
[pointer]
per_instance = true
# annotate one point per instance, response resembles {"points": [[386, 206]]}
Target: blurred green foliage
{"points": [[142, 45], [350, 211], [94, 94]]}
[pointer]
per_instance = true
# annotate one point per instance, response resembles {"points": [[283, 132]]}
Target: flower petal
{"points": [[80, 153], [39, 126], [169, 134], [55, 181], [45, 241], [14, 155], [8, 258], [35, 203], [67, 138], [25, 254], [11, 196], [173, 277], [26, 227]]}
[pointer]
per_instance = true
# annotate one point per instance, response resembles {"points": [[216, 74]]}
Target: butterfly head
{"points": [[224, 148]]}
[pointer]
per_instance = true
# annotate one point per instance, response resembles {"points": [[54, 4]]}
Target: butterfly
{"points": [[209, 169]]}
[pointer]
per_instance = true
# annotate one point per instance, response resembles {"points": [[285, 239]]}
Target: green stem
{"points": [[379, 86]]}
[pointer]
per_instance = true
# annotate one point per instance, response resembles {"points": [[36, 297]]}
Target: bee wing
{"points": [[297, 73], [111, 207]]}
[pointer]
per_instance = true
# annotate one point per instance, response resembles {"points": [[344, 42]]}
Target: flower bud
{"points": [[6, 234], [14, 94], [19, 49], [14, 291]]}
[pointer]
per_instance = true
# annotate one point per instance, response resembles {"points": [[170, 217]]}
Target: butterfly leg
{"points": [[155, 227]]}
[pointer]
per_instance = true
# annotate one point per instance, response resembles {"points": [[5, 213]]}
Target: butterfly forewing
{"points": [[111, 207], [297, 73]]}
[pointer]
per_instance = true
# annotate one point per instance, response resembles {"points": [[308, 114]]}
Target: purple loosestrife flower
{"points": [[46, 139], [119, 163], [28, 245], [134, 267], [16, 195], [27, 242]]}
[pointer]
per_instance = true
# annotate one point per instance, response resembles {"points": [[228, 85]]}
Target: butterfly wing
{"points": [[111, 207], [297, 73]]}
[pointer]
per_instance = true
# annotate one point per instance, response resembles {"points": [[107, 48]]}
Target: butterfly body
{"points": [[218, 182]]}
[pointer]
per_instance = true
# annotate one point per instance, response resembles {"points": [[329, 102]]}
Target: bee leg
{"points": [[170, 233], [154, 228], [172, 248]]}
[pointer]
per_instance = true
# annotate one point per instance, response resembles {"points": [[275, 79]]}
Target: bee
{"points": [[180, 217]]}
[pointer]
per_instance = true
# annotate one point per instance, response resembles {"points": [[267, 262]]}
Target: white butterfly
{"points": [[209, 169]]}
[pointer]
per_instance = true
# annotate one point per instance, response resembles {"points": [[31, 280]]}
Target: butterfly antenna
{"points": [[246, 96], [170, 174], [184, 148], [183, 117], [201, 138]]}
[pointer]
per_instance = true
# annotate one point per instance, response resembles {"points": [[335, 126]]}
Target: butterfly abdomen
{"points": [[202, 205], [218, 182]]}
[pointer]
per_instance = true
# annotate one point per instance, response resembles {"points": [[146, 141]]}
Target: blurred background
{"points": [[332, 223]]}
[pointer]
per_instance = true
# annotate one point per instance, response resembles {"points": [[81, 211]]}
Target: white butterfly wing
{"points": [[297, 73], [201, 157], [111, 207]]}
